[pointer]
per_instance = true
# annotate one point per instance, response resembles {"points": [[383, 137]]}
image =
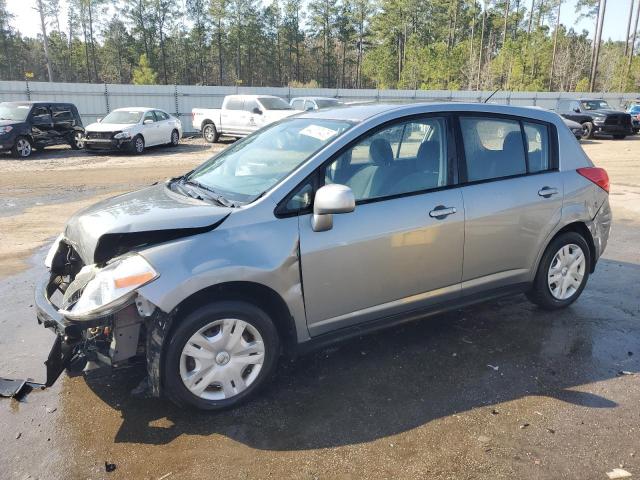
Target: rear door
{"points": [[165, 126], [512, 197], [63, 123], [233, 117], [401, 248]]}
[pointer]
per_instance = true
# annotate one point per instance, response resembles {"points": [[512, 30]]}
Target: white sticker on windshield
{"points": [[316, 131]]}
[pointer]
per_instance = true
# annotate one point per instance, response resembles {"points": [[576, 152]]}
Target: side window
{"points": [[161, 115], [493, 148], [149, 116], [234, 104], [41, 116], [301, 199], [404, 158], [309, 105], [62, 115], [537, 136], [249, 105]]}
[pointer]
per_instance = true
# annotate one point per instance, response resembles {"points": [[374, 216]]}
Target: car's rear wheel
{"points": [[220, 355], [175, 138], [587, 130], [137, 145], [619, 137], [77, 141], [210, 133], [22, 148], [563, 272]]}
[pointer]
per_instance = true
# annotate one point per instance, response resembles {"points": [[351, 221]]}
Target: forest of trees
{"points": [[412, 44]]}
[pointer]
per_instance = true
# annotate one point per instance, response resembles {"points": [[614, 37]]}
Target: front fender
{"points": [[265, 253]]}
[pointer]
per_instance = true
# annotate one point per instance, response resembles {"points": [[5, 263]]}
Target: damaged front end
{"points": [[95, 311]]}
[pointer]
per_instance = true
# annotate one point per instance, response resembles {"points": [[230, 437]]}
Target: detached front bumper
{"points": [[138, 329]]}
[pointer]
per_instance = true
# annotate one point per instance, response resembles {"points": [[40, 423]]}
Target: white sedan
{"points": [[133, 129]]}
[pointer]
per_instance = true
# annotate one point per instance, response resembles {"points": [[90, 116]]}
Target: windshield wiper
{"points": [[211, 194]]}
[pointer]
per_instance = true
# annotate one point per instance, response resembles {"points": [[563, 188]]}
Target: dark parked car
{"points": [[597, 117], [25, 126]]}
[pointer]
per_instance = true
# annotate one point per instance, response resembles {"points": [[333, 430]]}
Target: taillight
{"points": [[596, 175]]}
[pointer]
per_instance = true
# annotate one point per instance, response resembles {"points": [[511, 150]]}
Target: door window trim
{"points": [[318, 179], [462, 158]]}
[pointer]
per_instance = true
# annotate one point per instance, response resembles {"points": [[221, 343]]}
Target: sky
{"points": [[615, 24]]}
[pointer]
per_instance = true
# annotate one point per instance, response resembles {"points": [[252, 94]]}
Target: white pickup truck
{"points": [[239, 116]]}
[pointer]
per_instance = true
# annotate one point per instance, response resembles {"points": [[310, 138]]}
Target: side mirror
{"points": [[310, 108], [257, 111], [99, 119], [331, 199], [147, 121], [576, 109]]}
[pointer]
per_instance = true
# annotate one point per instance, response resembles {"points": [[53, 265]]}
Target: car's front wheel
{"points": [[563, 272], [22, 148], [220, 355], [137, 145], [587, 130]]}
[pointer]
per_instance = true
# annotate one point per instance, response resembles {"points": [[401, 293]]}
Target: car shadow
{"points": [[396, 380]]}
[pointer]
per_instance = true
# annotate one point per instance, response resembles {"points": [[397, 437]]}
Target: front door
{"points": [[401, 249], [513, 199], [150, 129]]}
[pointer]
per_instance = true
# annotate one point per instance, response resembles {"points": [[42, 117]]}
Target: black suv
{"points": [[25, 126], [596, 117]]}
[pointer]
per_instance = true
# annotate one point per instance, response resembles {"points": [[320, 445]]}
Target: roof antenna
{"points": [[489, 97]]}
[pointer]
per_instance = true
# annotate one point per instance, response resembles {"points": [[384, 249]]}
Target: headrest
{"points": [[380, 151], [428, 156]]}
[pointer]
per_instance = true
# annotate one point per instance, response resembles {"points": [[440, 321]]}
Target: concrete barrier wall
{"points": [[96, 100]]}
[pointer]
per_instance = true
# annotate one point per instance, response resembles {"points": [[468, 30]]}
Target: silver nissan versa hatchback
{"points": [[318, 227]]}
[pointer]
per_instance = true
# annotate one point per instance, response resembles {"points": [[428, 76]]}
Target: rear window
{"points": [[274, 103]]}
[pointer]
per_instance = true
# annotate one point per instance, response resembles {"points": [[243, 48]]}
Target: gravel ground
{"points": [[417, 401]]}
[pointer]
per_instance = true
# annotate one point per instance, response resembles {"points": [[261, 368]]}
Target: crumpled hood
{"points": [[108, 127], [144, 217]]}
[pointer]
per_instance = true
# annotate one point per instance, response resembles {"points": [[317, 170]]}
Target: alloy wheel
{"points": [[139, 145], [209, 134], [566, 272], [175, 138], [79, 139], [222, 359], [24, 147]]}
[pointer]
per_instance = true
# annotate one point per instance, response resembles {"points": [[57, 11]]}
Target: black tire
{"points": [[22, 147], [587, 128], [77, 141], [137, 145], [175, 138], [175, 388], [636, 130], [619, 137], [210, 133], [540, 294]]}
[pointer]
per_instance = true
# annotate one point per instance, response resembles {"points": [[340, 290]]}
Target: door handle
{"points": [[546, 192], [441, 212]]}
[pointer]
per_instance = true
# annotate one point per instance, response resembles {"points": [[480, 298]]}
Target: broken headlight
{"points": [[103, 290], [122, 136], [48, 261]]}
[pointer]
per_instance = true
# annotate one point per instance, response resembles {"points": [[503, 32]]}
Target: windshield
{"points": [[123, 116], [328, 103], [12, 111], [245, 170], [274, 103], [595, 105]]}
